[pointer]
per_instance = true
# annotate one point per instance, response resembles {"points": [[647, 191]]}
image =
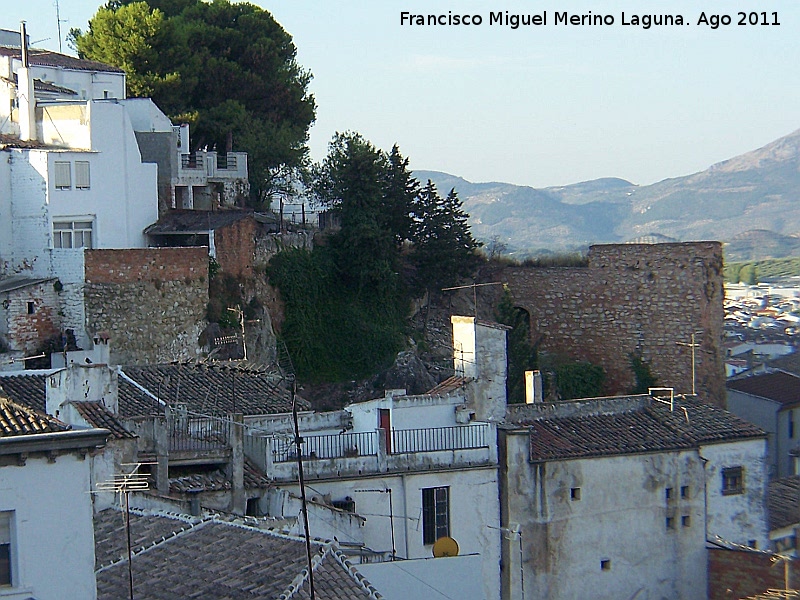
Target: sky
{"points": [[539, 105]]}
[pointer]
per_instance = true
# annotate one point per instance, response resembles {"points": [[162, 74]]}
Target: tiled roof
{"points": [[12, 141], [780, 387], [25, 389], [54, 59], [16, 419], [213, 560], [17, 282], [43, 86], [98, 415], [783, 502], [217, 480], [213, 388], [650, 428], [196, 221]]}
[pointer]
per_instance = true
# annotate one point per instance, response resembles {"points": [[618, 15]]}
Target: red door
{"points": [[384, 422]]}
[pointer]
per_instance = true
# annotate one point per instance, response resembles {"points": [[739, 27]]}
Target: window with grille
{"points": [[6, 550], [435, 514], [732, 481], [82, 175], [72, 234], [62, 175]]}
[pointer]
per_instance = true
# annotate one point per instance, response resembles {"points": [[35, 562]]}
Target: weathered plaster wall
{"points": [[620, 516], [633, 298], [235, 246], [152, 301], [25, 330]]}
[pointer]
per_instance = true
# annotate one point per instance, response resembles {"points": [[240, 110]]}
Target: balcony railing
{"points": [[226, 162], [439, 438], [191, 161], [344, 445], [197, 434]]}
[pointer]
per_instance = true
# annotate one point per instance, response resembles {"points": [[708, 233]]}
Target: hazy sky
{"points": [[539, 105]]}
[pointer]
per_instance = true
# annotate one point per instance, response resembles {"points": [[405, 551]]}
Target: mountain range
{"points": [[749, 201]]}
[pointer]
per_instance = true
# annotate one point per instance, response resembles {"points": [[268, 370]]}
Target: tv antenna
{"points": [[474, 287], [59, 21], [692, 345], [124, 483]]}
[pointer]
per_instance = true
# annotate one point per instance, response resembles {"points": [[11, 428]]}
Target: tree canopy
{"points": [[227, 69]]}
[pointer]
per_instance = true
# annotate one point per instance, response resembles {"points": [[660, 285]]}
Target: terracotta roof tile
{"points": [[448, 385], [780, 387], [217, 480], [210, 388], [196, 221], [783, 502], [649, 428], [98, 415], [212, 559], [25, 389], [16, 419]]}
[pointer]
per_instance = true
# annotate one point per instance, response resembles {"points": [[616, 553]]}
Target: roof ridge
{"points": [[301, 578], [353, 571], [190, 526], [139, 386]]}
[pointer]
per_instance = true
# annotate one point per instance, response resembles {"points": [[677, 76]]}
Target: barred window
{"points": [[435, 514], [732, 481]]}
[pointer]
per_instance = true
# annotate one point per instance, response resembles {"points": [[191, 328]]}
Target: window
{"points": [[62, 175], [72, 234], [686, 521], [670, 523], [31, 307], [668, 494], [605, 565], [82, 175], [575, 494], [6, 574], [435, 514], [732, 481], [684, 491]]}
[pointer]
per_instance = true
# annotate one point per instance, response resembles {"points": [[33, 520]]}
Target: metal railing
{"points": [[343, 445], [191, 161], [226, 162], [197, 434], [440, 438]]}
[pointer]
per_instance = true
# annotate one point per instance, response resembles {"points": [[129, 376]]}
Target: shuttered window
{"points": [[62, 175], [82, 175], [435, 514], [6, 576]]}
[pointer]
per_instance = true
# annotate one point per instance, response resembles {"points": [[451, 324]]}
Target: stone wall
{"points": [[151, 301], [235, 246], [633, 299], [30, 316]]}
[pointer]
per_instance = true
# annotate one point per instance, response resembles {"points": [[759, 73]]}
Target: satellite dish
{"points": [[445, 546]]}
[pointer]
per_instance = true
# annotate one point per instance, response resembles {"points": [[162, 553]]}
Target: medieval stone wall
{"points": [[236, 247], [151, 301], [633, 299]]}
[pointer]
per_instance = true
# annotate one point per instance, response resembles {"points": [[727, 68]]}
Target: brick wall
{"points": [[152, 301], [633, 298], [235, 246], [27, 329], [738, 574]]}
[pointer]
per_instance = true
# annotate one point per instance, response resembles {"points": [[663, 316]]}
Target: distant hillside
{"points": [[749, 201]]}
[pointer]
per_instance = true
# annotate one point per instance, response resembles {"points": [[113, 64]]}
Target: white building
{"points": [[616, 498], [46, 536]]}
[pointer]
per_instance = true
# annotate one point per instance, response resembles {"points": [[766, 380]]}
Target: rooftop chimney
{"points": [[25, 94], [533, 387]]}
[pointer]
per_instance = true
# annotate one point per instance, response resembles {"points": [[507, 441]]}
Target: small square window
{"points": [[670, 523], [686, 521], [575, 494], [753, 544], [605, 565], [684, 491], [668, 493], [732, 481], [31, 308]]}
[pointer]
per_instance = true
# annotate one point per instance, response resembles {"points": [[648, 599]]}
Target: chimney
{"points": [[25, 94], [533, 387]]}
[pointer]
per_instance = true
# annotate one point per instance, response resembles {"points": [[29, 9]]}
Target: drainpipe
{"points": [[405, 512], [25, 94]]}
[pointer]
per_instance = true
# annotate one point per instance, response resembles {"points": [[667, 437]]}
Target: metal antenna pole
{"points": [[391, 522], [692, 345], [130, 554], [299, 445], [474, 287]]}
